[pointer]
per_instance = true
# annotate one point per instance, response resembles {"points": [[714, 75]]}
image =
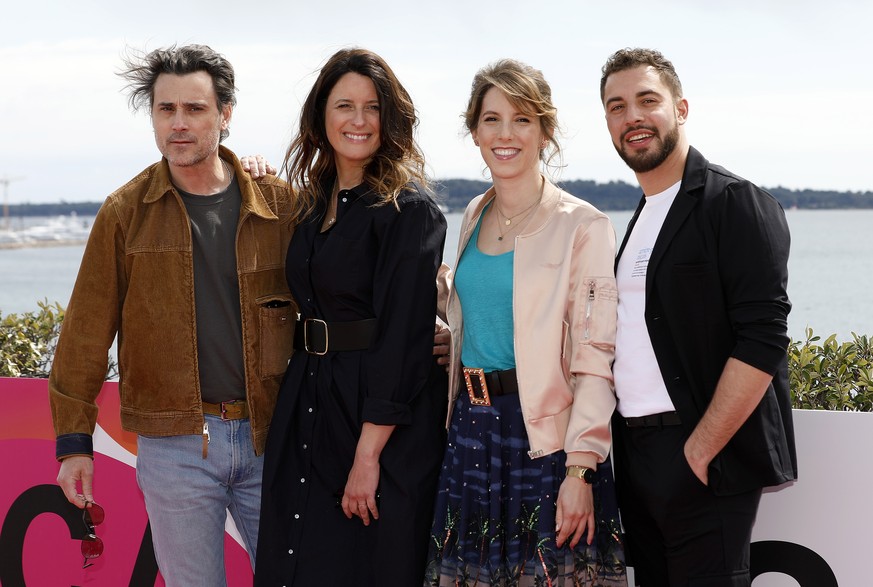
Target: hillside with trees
{"points": [[456, 193], [619, 195]]}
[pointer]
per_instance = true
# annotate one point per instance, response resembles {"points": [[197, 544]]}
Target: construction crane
{"points": [[5, 181]]}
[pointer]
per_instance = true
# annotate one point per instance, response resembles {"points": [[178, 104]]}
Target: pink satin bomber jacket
{"points": [[564, 309]]}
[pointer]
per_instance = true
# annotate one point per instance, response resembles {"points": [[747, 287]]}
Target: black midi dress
{"points": [[374, 262]]}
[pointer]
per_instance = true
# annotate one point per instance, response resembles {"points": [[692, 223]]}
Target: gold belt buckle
{"points": [[477, 387]]}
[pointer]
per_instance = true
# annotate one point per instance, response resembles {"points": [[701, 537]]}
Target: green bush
{"points": [[831, 375], [28, 340]]}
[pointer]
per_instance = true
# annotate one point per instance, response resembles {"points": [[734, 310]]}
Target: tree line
{"points": [[454, 194], [620, 195]]}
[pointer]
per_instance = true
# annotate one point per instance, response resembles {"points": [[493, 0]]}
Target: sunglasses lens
{"points": [[93, 514], [92, 546]]}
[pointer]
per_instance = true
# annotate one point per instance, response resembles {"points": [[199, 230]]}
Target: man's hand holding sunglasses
{"points": [[77, 472]]}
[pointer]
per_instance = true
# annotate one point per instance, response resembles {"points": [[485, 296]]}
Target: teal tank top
{"points": [[484, 287]]}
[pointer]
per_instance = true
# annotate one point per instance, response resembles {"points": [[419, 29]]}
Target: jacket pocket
{"points": [[276, 318], [599, 310]]}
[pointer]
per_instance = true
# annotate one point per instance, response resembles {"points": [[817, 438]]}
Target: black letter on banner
{"points": [[145, 571], [42, 499], [800, 563], [37, 500]]}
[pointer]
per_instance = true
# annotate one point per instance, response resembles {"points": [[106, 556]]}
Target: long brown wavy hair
{"points": [[310, 158]]}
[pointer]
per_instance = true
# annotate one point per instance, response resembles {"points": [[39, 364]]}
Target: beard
{"points": [[196, 151], [644, 161]]}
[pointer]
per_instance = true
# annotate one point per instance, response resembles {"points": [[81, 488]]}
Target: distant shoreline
{"points": [[614, 196], [43, 244]]}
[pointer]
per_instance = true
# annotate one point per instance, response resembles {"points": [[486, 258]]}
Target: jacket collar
{"points": [[693, 181], [252, 199], [541, 216], [694, 176]]}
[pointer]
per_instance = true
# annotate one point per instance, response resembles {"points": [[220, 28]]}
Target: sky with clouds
{"points": [[778, 90]]}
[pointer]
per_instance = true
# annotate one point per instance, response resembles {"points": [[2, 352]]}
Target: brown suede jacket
{"points": [[137, 281]]}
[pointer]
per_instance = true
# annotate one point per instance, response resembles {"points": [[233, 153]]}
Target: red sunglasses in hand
{"points": [[92, 545]]}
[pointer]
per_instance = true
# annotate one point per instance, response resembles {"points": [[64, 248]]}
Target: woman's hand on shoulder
{"points": [[257, 166]]}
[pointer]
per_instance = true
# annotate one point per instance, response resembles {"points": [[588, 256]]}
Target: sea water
{"points": [[830, 271]]}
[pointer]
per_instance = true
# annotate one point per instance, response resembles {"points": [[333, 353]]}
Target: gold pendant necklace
{"points": [[332, 205], [508, 219], [528, 213]]}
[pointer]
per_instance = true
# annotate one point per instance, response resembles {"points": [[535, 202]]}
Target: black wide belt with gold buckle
{"points": [[319, 337], [654, 420], [235, 410], [482, 386]]}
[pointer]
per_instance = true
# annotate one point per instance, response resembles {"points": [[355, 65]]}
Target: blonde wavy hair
{"points": [[527, 89]]}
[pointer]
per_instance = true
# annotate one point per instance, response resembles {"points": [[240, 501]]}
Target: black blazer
{"points": [[716, 288]]}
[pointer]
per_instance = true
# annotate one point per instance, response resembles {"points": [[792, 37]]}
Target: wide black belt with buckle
{"points": [[319, 337], [482, 386], [235, 410], [654, 420]]}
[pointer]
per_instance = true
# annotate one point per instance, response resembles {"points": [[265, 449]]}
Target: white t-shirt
{"points": [[638, 382]]}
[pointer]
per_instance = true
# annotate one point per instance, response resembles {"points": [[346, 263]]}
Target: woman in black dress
{"points": [[356, 441]]}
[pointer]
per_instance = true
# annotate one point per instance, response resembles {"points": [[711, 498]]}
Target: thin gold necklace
{"points": [[331, 203], [508, 219], [528, 213], [503, 233]]}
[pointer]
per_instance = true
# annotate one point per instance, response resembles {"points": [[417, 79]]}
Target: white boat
{"points": [[59, 230], [9, 237]]}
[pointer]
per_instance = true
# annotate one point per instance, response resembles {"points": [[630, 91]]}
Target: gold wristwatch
{"points": [[584, 473]]}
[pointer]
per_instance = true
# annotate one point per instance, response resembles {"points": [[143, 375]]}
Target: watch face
{"points": [[588, 476]]}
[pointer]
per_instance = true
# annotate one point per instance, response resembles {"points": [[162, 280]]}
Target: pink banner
{"points": [[40, 532]]}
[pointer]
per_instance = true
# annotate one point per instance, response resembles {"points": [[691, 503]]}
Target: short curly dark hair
{"points": [[630, 58]]}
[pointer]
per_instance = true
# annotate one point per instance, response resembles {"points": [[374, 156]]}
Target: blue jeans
{"points": [[187, 498]]}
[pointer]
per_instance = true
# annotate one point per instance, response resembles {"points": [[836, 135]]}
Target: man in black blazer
{"points": [[704, 415]]}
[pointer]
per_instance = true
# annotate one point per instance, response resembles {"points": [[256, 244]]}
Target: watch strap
{"points": [[579, 472]]}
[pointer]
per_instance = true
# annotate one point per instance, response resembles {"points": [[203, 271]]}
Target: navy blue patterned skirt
{"points": [[494, 521]]}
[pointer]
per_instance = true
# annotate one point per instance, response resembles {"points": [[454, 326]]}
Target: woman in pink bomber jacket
{"points": [[526, 492]]}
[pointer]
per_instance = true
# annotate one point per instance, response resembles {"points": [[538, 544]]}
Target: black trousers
{"points": [[678, 533]]}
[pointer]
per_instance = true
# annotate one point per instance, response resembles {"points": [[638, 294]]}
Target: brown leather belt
{"points": [[318, 337], [235, 410], [482, 386], [654, 420]]}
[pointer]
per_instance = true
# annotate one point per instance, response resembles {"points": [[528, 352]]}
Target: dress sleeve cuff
{"points": [[386, 413], [68, 445]]}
